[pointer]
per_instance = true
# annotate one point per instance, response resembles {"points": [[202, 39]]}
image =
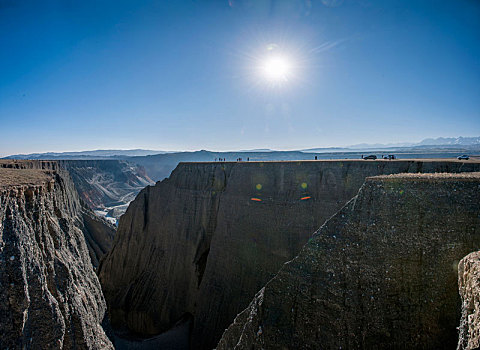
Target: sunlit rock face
{"points": [[205, 240], [98, 232], [50, 296], [469, 288], [380, 274]]}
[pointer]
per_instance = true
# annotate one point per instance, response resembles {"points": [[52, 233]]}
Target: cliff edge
{"points": [[380, 274], [98, 232], [50, 295], [205, 240]]}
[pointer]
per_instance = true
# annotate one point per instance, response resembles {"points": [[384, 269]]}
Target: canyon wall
{"points": [[107, 186], [380, 274], [205, 240], [50, 295], [98, 232]]}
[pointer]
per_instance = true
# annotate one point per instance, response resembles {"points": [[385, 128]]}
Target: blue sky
{"points": [[182, 75]]}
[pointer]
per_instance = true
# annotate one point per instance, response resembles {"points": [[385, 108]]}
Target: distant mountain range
{"points": [[440, 142], [96, 154], [453, 143], [464, 141]]}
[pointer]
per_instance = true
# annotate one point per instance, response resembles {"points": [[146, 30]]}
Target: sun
{"points": [[276, 69]]}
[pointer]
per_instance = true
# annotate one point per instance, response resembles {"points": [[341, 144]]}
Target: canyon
{"points": [[98, 232], [230, 255], [205, 240], [107, 186], [51, 296], [380, 274]]}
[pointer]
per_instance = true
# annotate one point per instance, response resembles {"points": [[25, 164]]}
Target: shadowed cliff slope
{"points": [[50, 296], [205, 240], [380, 274]]}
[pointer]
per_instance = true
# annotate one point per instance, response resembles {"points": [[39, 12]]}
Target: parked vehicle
{"points": [[390, 156], [371, 156], [463, 157]]}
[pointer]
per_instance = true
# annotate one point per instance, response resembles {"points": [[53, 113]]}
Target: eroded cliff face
{"points": [[380, 274], [205, 240], [98, 232], [107, 186], [50, 295], [469, 288]]}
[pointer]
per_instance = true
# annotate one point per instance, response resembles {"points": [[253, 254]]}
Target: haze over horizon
{"points": [[189, 75], [469, 142]]}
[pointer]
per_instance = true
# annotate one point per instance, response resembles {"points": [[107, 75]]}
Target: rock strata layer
{"points": [[205, 240], [50, 295], [107, 186], [469, 287], [380, 274]]}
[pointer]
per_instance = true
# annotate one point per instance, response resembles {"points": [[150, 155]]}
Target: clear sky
{"points": [[185, 75]]}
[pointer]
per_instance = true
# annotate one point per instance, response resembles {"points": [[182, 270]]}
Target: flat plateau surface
{"points": [[473, 159], [14, 161], [23, 162], [19, 177]]}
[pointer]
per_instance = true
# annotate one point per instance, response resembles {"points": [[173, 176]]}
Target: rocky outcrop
{"points": [[98, 232], [205, 240], [28, 164], [380, 274], [469, 287], [50, 295]]}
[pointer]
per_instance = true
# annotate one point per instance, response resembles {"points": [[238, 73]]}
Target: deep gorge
{"points": [[201, 244]]}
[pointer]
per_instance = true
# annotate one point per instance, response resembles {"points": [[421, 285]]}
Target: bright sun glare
{"points": [[276, 69]]}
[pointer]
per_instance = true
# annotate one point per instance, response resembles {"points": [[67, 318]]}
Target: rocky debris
{"points": [[205, 240], [50, 295], [380, 274], [469, 287]]}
